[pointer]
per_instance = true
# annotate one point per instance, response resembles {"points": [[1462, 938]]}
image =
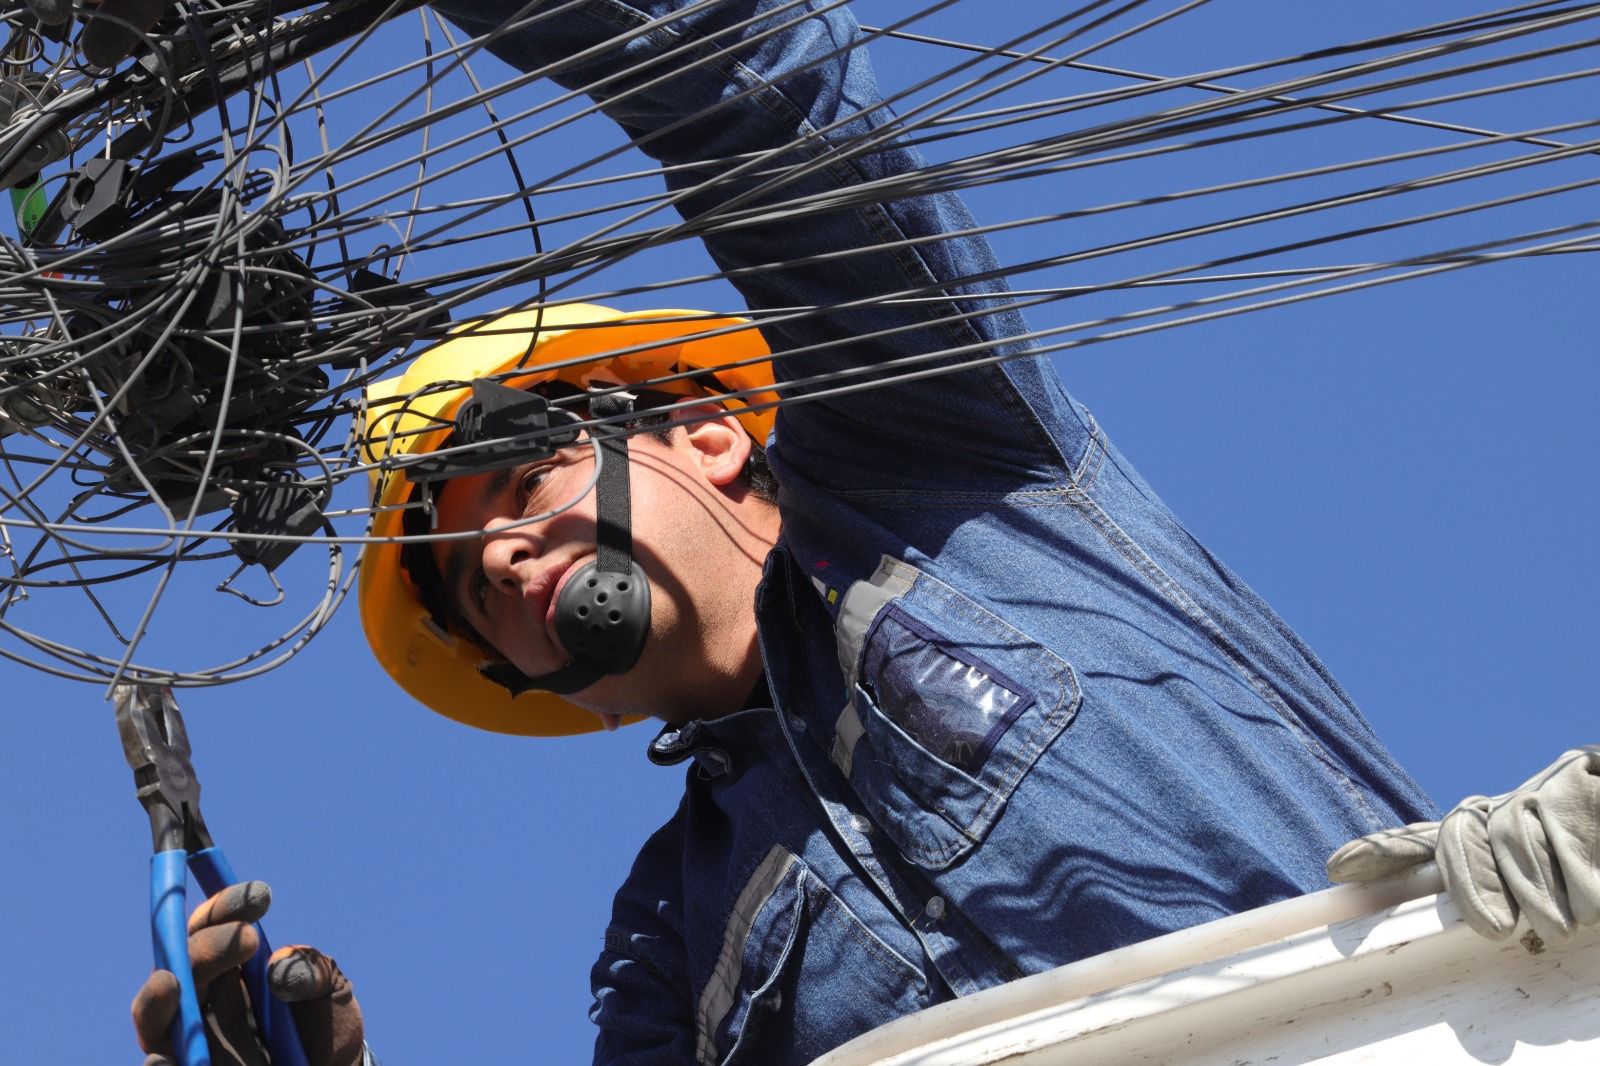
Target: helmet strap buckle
{"points": [[499, 427]]}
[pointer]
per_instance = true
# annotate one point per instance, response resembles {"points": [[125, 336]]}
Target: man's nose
{"points": [[508, 553]]}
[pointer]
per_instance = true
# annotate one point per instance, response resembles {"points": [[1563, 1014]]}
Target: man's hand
{"points": [[221, 940], [1535, 850]]}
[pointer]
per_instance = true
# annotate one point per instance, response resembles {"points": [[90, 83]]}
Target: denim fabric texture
{"points": [[1022, 715]]}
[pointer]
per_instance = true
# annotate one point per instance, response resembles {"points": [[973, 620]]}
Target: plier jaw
{"points": [[156, 746], [157, 749]]}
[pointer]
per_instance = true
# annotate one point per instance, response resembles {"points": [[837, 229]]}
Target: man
{"points": [[994, 709]]}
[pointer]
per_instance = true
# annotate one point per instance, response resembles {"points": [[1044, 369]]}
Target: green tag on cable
{"points": [[29, 202]]}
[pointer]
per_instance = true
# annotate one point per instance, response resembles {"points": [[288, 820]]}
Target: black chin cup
{"points": [[604, 618]]}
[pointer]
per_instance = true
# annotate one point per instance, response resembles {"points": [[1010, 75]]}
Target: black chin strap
{"points": [[563, 682], [613, 503], [603, 613]]}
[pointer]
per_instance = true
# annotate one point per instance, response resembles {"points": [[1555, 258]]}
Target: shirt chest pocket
{"points": [[798, 974], [949, 708]]}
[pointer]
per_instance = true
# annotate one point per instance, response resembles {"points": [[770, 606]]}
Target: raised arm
{"points": [[789, 83]]}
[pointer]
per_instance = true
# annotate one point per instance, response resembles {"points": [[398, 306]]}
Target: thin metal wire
{"points": [[159, 377]]}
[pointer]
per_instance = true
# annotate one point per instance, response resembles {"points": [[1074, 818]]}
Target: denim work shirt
{"points": [[1021, 715]]}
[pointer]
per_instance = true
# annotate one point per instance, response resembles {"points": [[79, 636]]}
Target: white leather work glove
{"points": [[1534, 850]]}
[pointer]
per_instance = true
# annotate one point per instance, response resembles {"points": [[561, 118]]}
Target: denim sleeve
{"points": [[640, 981], [643, 1017], [791, 83]]}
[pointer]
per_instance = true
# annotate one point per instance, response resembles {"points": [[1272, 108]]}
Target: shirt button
{"points": [[797, 723], [860, 825], [713, 762], [935, 908]]}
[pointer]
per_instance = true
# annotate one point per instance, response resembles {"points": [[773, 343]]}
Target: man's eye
{"points": [[529, 484], [478, 590]]}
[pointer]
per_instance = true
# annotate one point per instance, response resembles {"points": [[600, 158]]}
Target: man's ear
{"points": [[720, 444]]}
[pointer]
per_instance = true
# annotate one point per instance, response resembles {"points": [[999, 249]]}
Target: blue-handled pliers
{"points": [[157, 748]]}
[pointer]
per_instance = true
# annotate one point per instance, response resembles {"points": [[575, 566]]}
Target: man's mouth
{"points": [[553, 598]]}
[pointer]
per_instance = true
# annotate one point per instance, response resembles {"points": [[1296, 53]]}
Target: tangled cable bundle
{"points": [[224, 237]]}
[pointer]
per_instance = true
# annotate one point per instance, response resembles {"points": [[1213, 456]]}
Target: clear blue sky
{"points": [[1407, 475]]}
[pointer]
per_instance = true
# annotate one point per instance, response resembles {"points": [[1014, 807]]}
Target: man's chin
{"points": [[609, 722]]}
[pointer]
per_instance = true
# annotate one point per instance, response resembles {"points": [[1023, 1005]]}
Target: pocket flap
{"points": [[950, 707]]}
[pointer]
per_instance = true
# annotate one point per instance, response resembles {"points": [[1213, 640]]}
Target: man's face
{"points": [[698, 536]]}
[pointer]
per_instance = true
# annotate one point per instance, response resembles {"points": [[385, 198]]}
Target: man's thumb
{"points": [[1384, 854], [324, 1005]]}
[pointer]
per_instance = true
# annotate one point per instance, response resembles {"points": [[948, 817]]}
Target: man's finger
{"points": [[1529, 868], [1470, 873], [154, 1007], [298, 973], [325, 1009], [218, 949], [1569, 801], [245, 902]]}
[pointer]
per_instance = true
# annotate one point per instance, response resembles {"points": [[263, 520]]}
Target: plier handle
{"points": [[157, 748]]}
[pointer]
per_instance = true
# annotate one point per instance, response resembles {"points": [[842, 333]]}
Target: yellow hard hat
{"points": [[411, 414]]}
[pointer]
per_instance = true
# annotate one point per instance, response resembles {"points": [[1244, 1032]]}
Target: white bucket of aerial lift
{"points": [[1380, 973]]}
